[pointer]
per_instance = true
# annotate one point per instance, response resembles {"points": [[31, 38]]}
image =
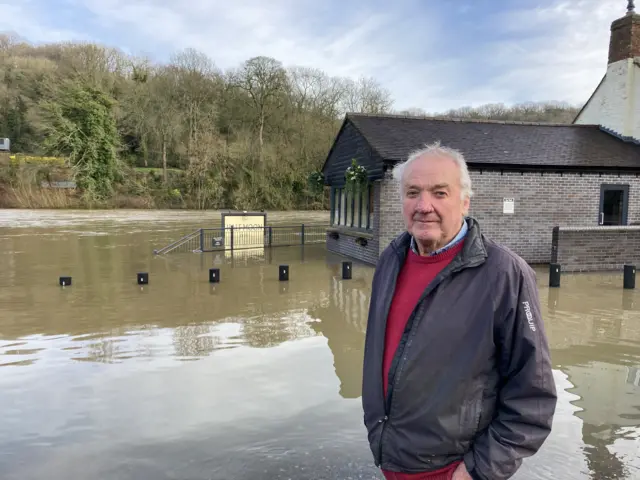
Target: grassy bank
{"points": [[36, 185]]}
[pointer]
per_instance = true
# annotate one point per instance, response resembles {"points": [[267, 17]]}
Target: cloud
{"points": [[557, 52], [26, 20], [430, 55]]}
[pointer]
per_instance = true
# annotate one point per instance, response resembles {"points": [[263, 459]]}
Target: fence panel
{"points": [[212, 239], [236, 238]]}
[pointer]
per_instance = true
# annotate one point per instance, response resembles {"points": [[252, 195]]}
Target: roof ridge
{"points": [[444, 118]]}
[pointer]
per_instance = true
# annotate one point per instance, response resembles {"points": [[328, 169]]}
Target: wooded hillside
{"points": [[200, 137]]}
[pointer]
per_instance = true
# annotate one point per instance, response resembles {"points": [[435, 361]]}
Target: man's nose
{"points": [[424, 203]]}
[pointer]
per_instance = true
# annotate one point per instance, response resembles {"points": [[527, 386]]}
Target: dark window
{"points": [[614, 203]]}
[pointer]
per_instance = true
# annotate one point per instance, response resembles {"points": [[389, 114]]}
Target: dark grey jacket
{"points": [[472, 376]]}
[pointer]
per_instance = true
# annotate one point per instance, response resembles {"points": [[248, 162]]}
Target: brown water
{"points": [[250, 378]]}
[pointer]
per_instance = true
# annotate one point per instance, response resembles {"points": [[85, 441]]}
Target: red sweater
{"points": [[415, 276]]}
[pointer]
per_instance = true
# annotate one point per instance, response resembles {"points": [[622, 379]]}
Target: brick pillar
{"points": [[391, 221], [625, 38]]}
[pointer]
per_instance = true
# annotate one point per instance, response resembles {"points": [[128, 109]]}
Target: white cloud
{"points": [[25, 21], [555, 52], [562, 53]]}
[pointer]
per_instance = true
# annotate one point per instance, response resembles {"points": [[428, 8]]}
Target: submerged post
{"points": [[143, 278], [283, 273], [629, 277], [346, 270], [555, 269], [214, 275], [65, 281]]}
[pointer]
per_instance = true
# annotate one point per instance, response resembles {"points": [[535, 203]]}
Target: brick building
{"points": [[526, 177]]}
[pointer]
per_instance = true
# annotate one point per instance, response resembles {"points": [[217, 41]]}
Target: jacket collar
{"points": [[473, 251]]}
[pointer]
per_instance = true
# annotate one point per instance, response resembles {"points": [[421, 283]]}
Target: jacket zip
{"points": [[395, 364]]}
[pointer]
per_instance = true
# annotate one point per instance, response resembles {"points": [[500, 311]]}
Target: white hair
{"points": [[436, 150]]}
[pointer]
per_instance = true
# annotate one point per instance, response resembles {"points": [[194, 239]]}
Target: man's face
{"points": [[432, 204]]}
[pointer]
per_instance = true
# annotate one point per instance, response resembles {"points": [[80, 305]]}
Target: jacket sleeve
{"points": [[527, 398]]}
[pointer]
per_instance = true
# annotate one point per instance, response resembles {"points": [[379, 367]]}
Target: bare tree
{"points": [[264, 80]]}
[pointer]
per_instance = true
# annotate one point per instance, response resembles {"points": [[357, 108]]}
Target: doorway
{"points": [[614, 203]]}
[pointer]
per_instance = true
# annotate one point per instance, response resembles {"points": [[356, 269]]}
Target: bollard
{"points": [[65, 281], [629, 277], [555, 269], [214, 275], [346, 270], [284, 273], [143, 278]]}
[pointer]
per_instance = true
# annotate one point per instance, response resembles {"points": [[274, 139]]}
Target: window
{"points": [[614, 204], [352, 210]]}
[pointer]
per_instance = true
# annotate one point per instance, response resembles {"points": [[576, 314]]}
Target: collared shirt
{"points": [[456, 239]]}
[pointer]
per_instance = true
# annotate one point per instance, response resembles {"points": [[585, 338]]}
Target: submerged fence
{"points": [[235, 238]]}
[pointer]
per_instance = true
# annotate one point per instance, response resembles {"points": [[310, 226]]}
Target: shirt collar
{"points": [[456, 239]]}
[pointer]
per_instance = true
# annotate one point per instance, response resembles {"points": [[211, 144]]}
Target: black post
{"points": [[270, 235], [346, 270], [214, 275], [202, 239], [302, 233], [283, 273], [629, 278], [555, 269], [232, 237]]}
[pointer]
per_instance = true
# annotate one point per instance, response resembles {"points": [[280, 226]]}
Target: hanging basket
{"points": [[356, 177]]}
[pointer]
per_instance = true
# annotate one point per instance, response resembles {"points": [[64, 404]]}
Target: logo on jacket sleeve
{"points": [[529, 315]]}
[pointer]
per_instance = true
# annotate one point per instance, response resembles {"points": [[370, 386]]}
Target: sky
{"points": [[430, 54]]}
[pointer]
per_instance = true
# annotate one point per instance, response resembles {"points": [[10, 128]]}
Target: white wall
{"points": [[616, 103]]}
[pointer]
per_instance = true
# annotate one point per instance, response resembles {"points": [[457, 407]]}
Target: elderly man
{"points": [[457, 377]]}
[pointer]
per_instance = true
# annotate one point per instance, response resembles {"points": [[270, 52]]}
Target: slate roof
{"points": [[497, 143]]}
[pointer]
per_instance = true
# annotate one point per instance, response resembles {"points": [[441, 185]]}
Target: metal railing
{"points": [[188, 243], [236, 238]]}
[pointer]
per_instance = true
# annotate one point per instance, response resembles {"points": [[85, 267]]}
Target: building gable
{"points": [[615, 103], [350, 144]]}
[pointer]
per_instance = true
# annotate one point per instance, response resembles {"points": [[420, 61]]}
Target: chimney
{"points": [[615, 104], [625, 36]]}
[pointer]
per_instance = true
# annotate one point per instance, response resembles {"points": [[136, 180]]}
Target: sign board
{"points": [[217, 242], [508, 205], [248, 229]]}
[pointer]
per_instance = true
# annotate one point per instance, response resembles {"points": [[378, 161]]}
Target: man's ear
{"points": [[465, 205]]}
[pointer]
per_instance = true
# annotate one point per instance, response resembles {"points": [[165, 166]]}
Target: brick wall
{"points": [[541, 203], [391, 221], [346, 244], [598, 248]]}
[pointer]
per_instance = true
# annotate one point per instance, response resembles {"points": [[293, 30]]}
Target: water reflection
{"points": [[251, 377], [343, 322], [594, 329]]}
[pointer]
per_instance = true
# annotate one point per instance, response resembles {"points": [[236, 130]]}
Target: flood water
{"points": [[250, 378]]}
